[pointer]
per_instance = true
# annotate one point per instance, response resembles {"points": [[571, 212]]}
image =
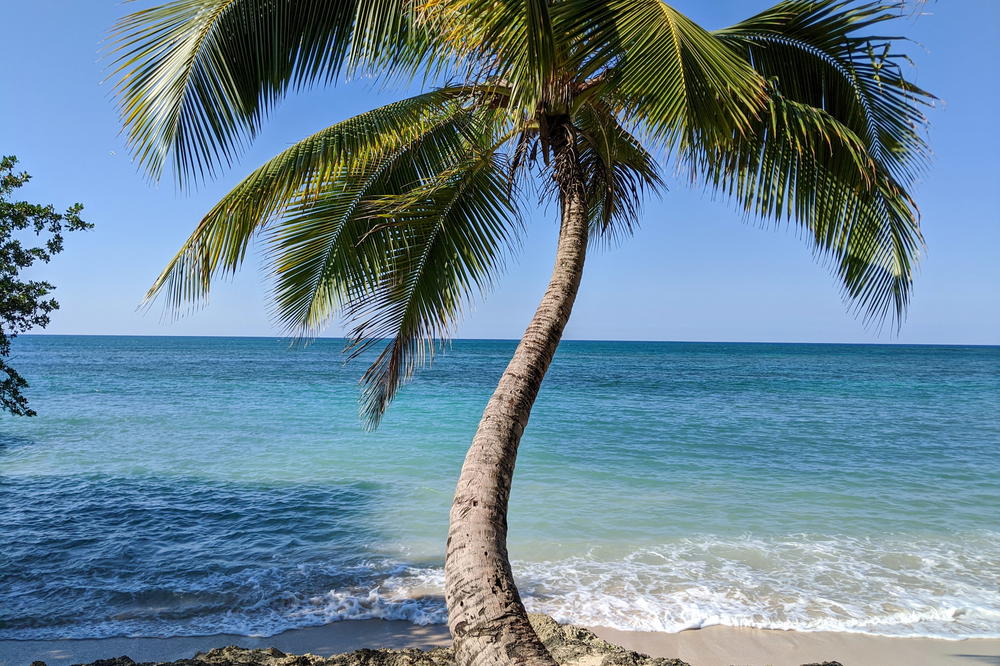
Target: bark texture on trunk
{"points": [[485, 613]]}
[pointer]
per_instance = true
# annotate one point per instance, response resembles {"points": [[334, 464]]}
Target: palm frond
{"points": [[509, 41], [443, 242], [194, 78], [294, 179], [681, 82], [620, 172], [327, 251], [839, 145], [803, 165], [818, 53], [396, 218]]}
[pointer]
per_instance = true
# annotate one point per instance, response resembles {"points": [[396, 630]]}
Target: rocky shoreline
{"points": [[570, 646]]}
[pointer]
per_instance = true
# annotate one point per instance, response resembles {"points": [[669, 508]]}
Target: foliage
{"points": [[25, 304], [396, 218]]}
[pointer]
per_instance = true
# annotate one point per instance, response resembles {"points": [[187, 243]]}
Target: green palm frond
{"points": [[680, 81], [838, 145], [801, 164], [819, 55], [510, 41], [443, 242], [292, 180], [194, 78], [325, 251], [620, 172]]}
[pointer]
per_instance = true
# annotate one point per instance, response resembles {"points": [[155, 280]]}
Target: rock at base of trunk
{"points": [[571, 645]]}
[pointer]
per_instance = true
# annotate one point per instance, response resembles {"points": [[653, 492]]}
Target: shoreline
{"points": [[719, 645], [710, 646]]}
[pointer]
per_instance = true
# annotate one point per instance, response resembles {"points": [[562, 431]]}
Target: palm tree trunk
{"points": [[485, 614]]}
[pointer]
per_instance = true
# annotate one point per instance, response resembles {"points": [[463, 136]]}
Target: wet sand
{"points": [[325, 640], [713, 646]]}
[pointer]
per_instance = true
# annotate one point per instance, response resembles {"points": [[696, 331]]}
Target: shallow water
{"points": [[178, 486]]}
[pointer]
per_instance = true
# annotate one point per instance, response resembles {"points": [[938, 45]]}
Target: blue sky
{"points": [[694, 271]]}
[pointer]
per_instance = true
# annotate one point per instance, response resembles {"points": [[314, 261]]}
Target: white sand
{"points": [[723, 646], [714, 646]]}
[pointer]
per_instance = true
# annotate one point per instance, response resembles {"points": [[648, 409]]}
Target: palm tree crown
{"points": [[396, 217]]}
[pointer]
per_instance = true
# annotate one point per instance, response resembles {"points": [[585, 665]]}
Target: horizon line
{"points": [[445, 341]]}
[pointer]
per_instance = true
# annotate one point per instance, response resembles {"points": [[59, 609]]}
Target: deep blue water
{"points": [[199, 485]]}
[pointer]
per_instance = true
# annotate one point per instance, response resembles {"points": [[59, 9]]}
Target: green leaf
{"points": [[802, 164], [325, 251], [818, 55], [443, 241], [195, 78], [295, 178], [682, 83], [619, 171], [505, 41]]}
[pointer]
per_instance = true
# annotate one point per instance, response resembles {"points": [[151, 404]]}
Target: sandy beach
{"points": [[713, 646], [323, 640], [722, 646]]}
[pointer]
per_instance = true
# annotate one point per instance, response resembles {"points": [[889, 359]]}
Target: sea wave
{"points": [[885, 586]]}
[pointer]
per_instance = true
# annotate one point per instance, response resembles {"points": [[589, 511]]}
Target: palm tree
{"points": [[396, 217]]}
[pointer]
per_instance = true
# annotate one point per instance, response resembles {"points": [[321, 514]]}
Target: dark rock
{"points": [[571, 645], [117, 661]]}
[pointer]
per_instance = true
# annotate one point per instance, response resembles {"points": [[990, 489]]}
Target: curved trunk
{"points": [[485, 614]]}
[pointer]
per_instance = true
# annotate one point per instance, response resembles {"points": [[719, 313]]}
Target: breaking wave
{"points": [[878, 586]]}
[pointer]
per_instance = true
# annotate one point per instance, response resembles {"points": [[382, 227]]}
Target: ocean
{"points": [[187, 486]]}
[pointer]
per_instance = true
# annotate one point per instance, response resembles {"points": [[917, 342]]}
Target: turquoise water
{"points": [[178, 486]]}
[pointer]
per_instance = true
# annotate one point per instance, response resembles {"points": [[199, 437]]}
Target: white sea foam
{"points": [[877, 586], [381, 603], [884, 587]]}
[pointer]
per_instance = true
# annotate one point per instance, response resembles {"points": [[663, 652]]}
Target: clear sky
{"points": [[694, 271]]}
